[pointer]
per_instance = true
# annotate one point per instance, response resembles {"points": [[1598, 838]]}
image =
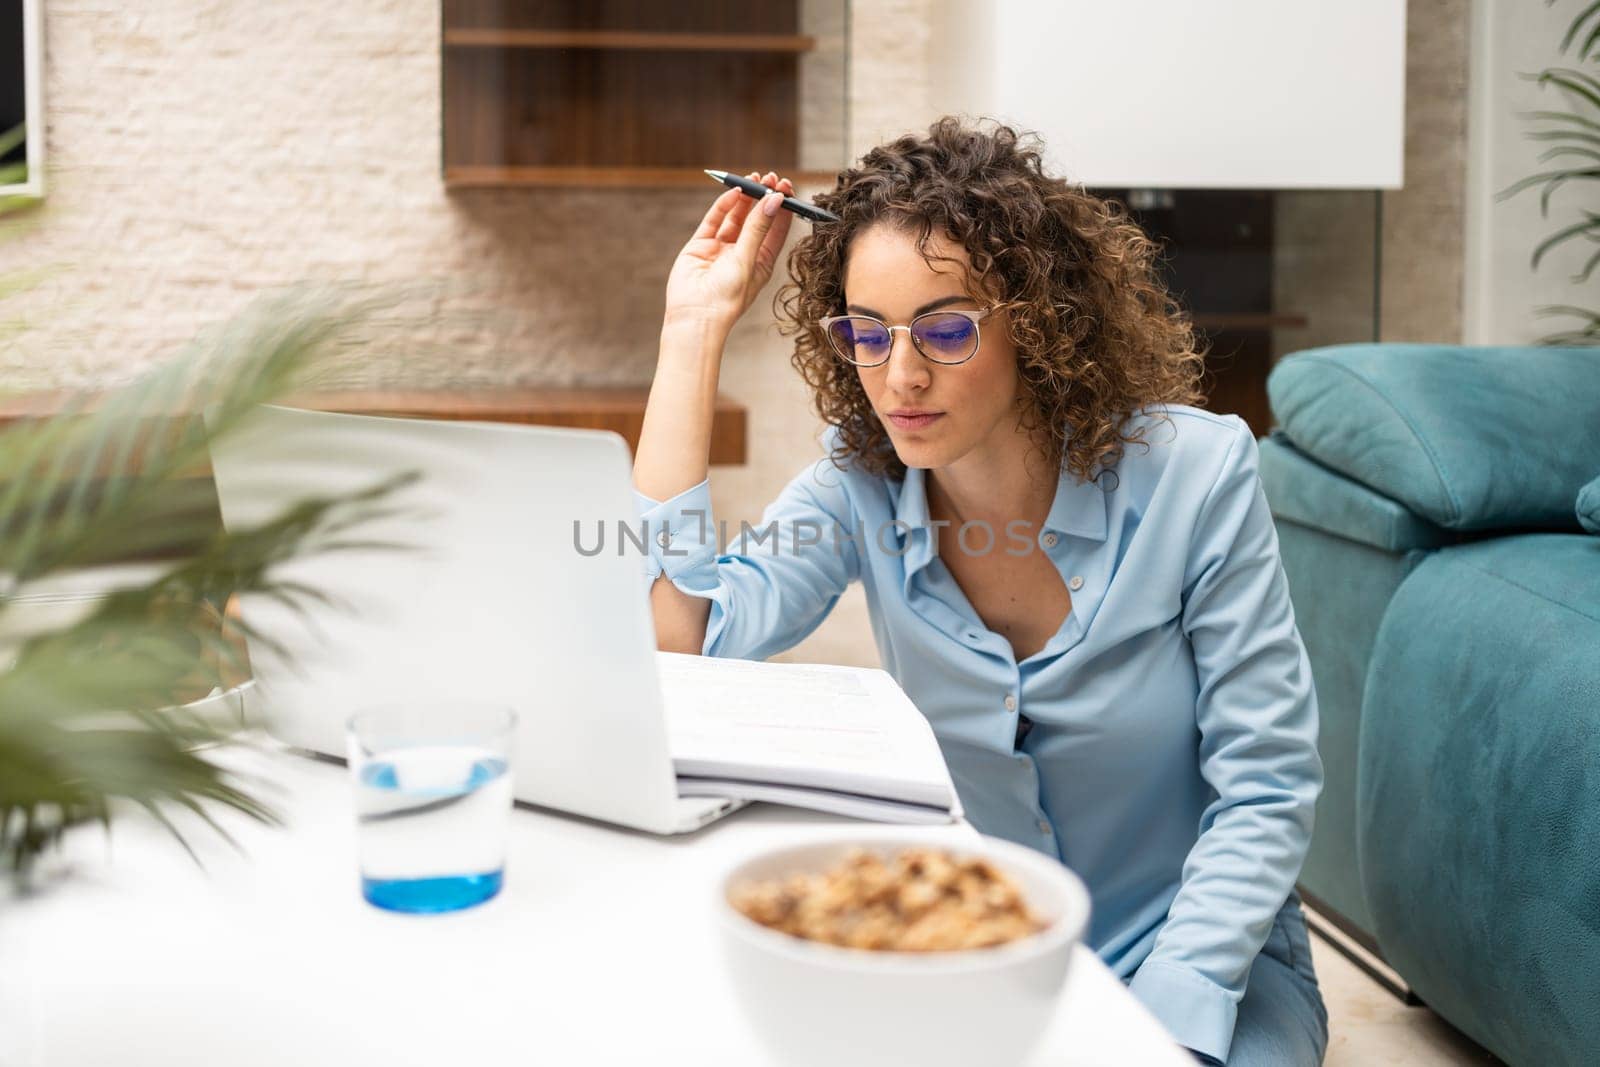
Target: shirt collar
{"points": [[912, 508], [1079, 508]]}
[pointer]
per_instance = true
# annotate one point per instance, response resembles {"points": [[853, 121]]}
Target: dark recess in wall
{"points": [[12, 82]]}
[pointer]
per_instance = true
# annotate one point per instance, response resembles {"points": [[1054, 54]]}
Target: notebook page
{"points": [[834, 727]]}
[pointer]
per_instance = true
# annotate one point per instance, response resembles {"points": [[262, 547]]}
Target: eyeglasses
{"points": [[946, 337]]}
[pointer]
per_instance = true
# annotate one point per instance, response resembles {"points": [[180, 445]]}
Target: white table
{"points": [[601, 949]]}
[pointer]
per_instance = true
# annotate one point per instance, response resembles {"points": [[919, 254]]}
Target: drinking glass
{"points": [[433, 798]]}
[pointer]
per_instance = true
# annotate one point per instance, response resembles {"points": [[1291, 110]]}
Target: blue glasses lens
{"points": [[946, 335], [861, 340]]}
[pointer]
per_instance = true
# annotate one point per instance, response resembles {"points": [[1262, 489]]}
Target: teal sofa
{"points": [[1438, 514]]}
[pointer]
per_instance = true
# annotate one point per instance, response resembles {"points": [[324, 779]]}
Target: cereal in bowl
{"points": [[922, 900]]}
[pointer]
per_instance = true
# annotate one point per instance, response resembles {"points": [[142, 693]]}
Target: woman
{"points": [[1102, 636]]}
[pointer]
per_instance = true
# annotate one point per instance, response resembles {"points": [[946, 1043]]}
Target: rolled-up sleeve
{"points": [[1257, 717], [776, 581], [679, 534]]}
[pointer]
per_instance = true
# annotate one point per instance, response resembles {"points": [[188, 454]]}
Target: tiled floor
{"points": [[1368, 1026]]}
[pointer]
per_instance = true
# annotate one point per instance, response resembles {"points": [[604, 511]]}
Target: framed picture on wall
{"points": [[21, 98]]}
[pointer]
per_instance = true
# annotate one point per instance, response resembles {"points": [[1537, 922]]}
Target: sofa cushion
{"points": [[1478, 797], [1468, 438], [1589, 507]]}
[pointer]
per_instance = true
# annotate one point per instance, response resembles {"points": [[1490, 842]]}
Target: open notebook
{"points": [[839, 739]]}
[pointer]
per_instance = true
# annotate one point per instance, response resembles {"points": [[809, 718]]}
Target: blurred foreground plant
{"points": [[91, 715]]}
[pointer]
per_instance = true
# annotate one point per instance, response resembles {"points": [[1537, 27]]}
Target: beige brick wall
{"points": [[203, 152]]}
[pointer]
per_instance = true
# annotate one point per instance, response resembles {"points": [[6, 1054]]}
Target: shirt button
{"points": [[663, 539], [1011, 702], [1049, 540], [1076, 583], [1044, 826]]}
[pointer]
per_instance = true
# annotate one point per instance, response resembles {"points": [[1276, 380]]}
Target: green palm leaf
{"points": [[1552, 180], [1590, 225], [1586, 334], [1577, 24], [1569, 150], [1577, 136], [1559, 116], [1573, 82], [1576, 133]]}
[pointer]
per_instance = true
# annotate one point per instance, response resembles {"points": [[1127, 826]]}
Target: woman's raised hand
{"points": [[731, 257]]}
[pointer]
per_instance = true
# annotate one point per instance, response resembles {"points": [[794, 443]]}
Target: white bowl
{"points": [[815, 1003]]}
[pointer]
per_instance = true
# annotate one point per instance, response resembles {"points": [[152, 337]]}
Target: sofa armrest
{"points": [[1303, 491], [1465, 438]]}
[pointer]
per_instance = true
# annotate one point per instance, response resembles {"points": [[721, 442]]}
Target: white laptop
{"points": [[490, 600]]}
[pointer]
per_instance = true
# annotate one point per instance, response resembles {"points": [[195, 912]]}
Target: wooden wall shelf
{"points": [[620, 409], [617, 409], [636, 93], [468, 177], [471, 37]]}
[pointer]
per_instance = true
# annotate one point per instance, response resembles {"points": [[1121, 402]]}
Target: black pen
{"points": [[810, 212]]}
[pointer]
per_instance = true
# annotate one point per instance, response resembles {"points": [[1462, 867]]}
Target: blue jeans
{"points": [[1282, 1020]]}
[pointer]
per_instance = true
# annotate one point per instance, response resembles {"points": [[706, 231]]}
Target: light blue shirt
{"points": [[1172, 760]]}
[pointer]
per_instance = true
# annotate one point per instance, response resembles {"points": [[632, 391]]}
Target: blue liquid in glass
{"points": [[432, 826], [425, 895]]}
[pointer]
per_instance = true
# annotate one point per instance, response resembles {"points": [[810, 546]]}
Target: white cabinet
{"points": [[1264, 94]]}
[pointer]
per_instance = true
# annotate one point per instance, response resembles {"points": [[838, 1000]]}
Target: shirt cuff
{"points": [[1198, 1013], [679, 533]]}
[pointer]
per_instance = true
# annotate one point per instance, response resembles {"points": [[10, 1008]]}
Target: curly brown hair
{"points": [[1096, 332]]}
